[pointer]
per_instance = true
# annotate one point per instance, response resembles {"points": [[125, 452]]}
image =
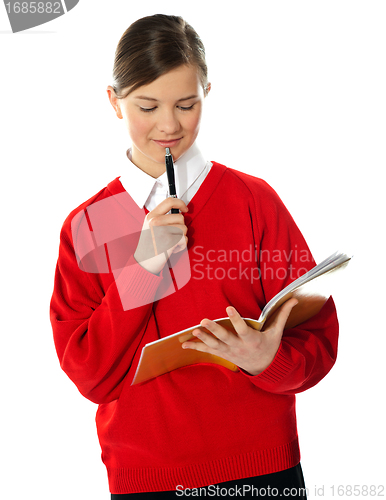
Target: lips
{"points": [[168, 144]]}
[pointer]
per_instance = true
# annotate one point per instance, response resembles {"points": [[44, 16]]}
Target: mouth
{"points": [[168, 144]]}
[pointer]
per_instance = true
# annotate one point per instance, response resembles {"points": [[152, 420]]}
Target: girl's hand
{"points": [[251, 350], [162, 234]]}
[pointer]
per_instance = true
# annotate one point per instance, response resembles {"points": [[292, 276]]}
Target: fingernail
{"points": [[230, 311]]}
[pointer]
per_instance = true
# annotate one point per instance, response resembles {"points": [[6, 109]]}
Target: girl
{"points": [[201, 426]]}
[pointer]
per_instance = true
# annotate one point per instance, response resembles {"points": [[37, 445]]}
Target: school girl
{"points": [[201, 430]]}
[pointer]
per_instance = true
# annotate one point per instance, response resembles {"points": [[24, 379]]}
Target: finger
{"points": [[182, 245], [166, 205], [159, 239], [284, 312], [164, 220], [167, 237], [197, 346], [211, 339], [242, 329], [222, 334], [167, 231]]}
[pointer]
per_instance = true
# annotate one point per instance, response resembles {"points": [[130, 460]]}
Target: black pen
{"points": [[171, 181]]}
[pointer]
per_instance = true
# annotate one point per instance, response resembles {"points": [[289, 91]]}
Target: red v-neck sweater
{"points": [[200, 424]]}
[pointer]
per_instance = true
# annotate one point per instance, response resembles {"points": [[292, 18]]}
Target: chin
{"points": [[176, 152]]}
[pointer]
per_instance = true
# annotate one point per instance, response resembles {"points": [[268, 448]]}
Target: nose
{"points": [[168, 122]]}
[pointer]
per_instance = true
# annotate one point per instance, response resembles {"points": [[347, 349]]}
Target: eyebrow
{"points": [[152, 98]]}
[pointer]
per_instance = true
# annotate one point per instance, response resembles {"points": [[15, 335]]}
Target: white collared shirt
{"points": [[190, 171]]}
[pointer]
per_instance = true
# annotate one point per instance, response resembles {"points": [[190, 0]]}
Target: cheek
{"points": [[192, 123], [138, 127]]}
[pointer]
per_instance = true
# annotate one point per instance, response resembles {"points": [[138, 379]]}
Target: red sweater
{"points": [[201, 424]]}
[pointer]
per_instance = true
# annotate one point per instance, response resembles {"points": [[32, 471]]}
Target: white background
{"points": [[298, 98]]}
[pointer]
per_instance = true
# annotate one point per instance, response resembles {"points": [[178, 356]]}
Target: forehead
{"points": [[178, 83]]}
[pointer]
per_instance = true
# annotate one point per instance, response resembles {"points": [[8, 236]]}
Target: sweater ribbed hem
{"points": [[135, 281], [141, 283], [125, 481], [275, 372]]}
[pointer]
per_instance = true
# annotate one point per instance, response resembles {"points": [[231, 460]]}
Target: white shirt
{"points": [[190, 171]]}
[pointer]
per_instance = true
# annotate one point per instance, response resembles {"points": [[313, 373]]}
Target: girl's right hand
{"points": [[162, 234]]}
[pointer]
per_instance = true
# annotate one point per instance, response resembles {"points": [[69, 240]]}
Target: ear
{"points": [[207, 89], [114, 101]]}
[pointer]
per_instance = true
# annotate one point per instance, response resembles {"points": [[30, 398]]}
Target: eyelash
{"points": [[149, 110]]}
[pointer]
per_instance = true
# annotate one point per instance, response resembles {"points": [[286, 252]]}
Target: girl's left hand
{"points": [[251, 350]]}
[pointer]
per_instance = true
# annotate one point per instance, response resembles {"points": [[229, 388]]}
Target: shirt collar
{"points": [[140, 185]]}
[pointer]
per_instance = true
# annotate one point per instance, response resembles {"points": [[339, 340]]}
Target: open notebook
{"points": [[311, 290]]}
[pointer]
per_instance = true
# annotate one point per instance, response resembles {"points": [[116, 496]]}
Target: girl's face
{"points": [[164, 113]]}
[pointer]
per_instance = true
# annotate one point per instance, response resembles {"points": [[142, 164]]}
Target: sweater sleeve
{"points": [[95, 337], [307, 352]]}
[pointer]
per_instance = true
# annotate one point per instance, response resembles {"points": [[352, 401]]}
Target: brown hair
{"points": [[151, 47]]}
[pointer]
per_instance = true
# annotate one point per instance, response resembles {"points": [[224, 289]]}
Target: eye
{"points": [[148, 110], [183, 108]]}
